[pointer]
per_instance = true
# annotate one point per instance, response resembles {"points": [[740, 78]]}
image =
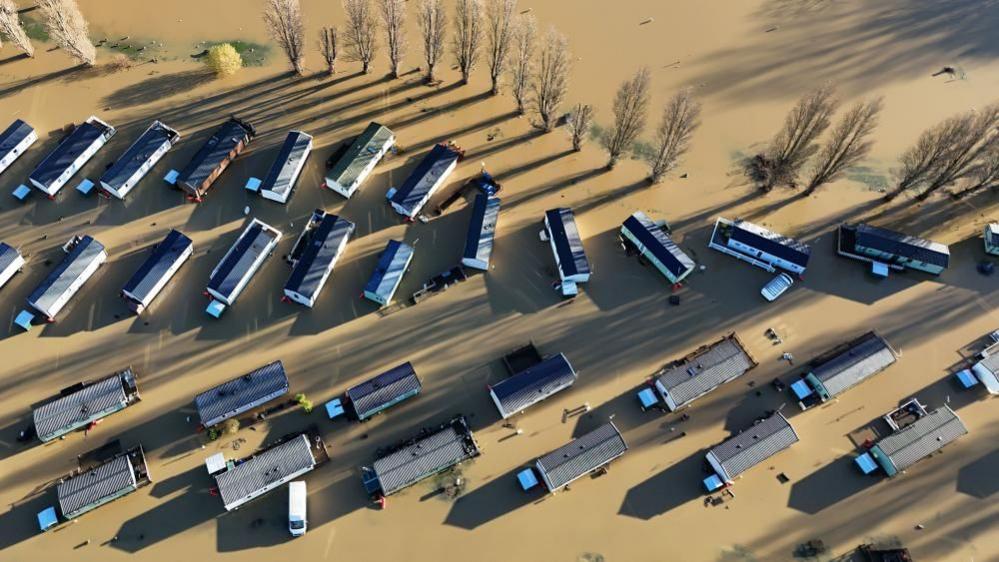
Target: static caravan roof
{"points": [[71, 148], [481, 230], [147, 281], [254, 244], [284, 172], [139, 154], [10, 260], [756, 236], [77, 263], [426, 456], [264, 471], [77, 409], [866, 356], [765, 439], [389, 270], [581, 456], [655, 240], [923, 437], [992, 234], [374, 394], [215, 152], [903, 245], [13, 136], [242, 394], [704, 370], [565, 236], [94, 487], [532, 385], [987, 371], [323, 244], [360, 153], [421, 181]]}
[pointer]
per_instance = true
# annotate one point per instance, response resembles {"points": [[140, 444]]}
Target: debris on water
{"points": [[646, 21], [774, 28]]}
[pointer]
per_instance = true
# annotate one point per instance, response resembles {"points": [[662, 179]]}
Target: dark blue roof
{"points": [[659, 244], [66, 273], [13, 136], [375, 393], [293, 150], [534, 384], [160, 261], [321, 248], [68, 151], [785, 248], [254, 241], [482, 227], [8, 254], [389, 268], [138, 154], [215, 151], [565, 235], [427, 172], [902, 245], [238, 395]]}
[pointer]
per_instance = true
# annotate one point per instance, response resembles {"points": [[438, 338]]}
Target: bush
{"points": [[120, 62], [230, 426], [304, 402], [213, 434], [224, 60]]}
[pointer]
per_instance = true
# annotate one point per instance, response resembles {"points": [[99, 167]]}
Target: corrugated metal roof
{"points": [[705, 370], [425, 457], [255, 242], [903, 245], [357, 157], [163, 257], [656, 241], [321, 251], [13, 136], [390, 268], [237, 395], [534, 384], [778, 245], [283, 173], [215, 151], [754, 445], [568, 244], [923, 437], [272, 465], [427, 173], [8, 255], [374, 393], [482, 228], [94, 486], [81, 407], [866, 356], [86, 251], [582, 455], [71, 147], [140, 152]]}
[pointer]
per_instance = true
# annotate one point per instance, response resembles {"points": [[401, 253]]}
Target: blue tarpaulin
{"points": [[866, 463], [21, 192], [24, 319], [334, 408], [171, 177], [85, 186], [801, 389], [215, 308], [527, 478], [879, 269], [647, 398], [253, 184], [966, 378], [712, 483], [47, 518]]}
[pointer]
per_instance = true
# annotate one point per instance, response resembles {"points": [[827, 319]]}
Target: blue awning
{"points": [[24, 319], [879, 269], [85, 186], [334, 408], [253, 184], [866, 463], [527, 479], [21, 192], [47, 518], [966, 378], [647, 398], [712, 483], [215, 308], [171, 177], [801, 389]]}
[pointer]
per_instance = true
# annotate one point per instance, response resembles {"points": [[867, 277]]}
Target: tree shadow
{"points": [[14, 58], [499, 497], [666, 490], [828, 486], [157, 87], [978, 478], [26, 83]]}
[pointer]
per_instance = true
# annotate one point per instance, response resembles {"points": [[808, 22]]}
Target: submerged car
{"points": [[777, 287]]}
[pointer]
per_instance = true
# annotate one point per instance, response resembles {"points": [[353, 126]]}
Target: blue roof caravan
{"points": [[315, 254], [567, 247], [246, 255], [84, 256], [653, 243], [225, 144], [392, 265], [894, 249], [357, 163], [383, 391], [138, 159], [11, 262], [481, 232], [758, 246], [428, 176], [75, 150], [14, 141], [154, 273], [280, 181]]}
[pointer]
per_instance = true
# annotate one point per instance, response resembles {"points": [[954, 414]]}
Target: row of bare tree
{"points": [[64, 23]]}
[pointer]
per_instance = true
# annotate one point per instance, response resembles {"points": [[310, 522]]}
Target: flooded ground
{"points": [[748, 61]]}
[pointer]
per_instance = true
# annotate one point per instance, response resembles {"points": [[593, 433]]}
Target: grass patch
{"points": [[868, 176], [253, 54], [34, 28]]}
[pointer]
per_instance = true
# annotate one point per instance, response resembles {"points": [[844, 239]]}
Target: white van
{"points": [[297, 519]]}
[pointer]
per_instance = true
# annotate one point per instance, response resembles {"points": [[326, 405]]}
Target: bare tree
{"points": [[963, 158], [849, 144], [68, 29], [360, 34], [467, 36], [580, 121], [432, 20], [283, 19], [500, 30], [921, 160], [551, 81], [796, 142], [524, 38], [394, 22], [328, 43], [631, 105], [986, 173], [10, 27], [681, 117]]}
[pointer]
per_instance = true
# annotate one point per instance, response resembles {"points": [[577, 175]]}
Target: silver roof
{"points": [[237, 395], [868, 355], [581, 456], [705, 370], [926, 435], [72, 267], [360, 153], [271, 465], [754, 445], [81, 407], [444, 448], [95, 485]]}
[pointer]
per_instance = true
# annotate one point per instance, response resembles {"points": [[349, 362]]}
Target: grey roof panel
{"points": [[427, 173], [482, 228], [319, 255], [215, 152], [582, 455], [72, 267], [69, 149], [255, 242], [140, 152], [83, 406], [161, 260], [390, 268], [534, 384], [240, 394], [271, 465], [868, 355], [359, 154], [375, 393], [705, 370], [924, 436], [283, 173], [96, 485], [426, 456], [658, 243], [754, 445]]}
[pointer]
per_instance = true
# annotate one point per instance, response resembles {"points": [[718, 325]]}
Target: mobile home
{"points": [[138, 159], [894, 249], [84, 403], [758, 246], [429, 175], [991, 237], [154, 273], [567, 247], [381, 392], [682, 381], [580, 457], [239, 264], [14, 141], [315, 255], [360, 159], [72, 153], [83, 256], [532, 385], [481, 232], [11, 262], [242, 394], [764, 439], [225, 144], [986, 369], [913, 443], [392, 265], [843, 368], [283, 175], [654, 244]]}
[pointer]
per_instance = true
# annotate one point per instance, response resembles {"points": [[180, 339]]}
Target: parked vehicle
{"points": [[777, 287], [298, 521]]}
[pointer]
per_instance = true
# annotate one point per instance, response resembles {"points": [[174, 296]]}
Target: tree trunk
{"points": [[495, 90], [430, 74], [612, 161], [365, 67]]}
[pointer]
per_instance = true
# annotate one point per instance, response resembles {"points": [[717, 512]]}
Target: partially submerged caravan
{"points": [[392, 265], [429, 453], [83, 256], [429, 175], [575, 459], [481, 231], [913, 443], [567, 247], [764, 439], [364, 153], [283, 175], [154, 273], [758, 246], [138, 159], [254, 245], [891, 249], [377, 394], [315, 254], [225, 144], [986, 370], [842, 368], [532, 385], [119, 476], [72, 153], [243, 480], [652, 241], [11, 262], [14, 141], [242, 394], [83, 404]]}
